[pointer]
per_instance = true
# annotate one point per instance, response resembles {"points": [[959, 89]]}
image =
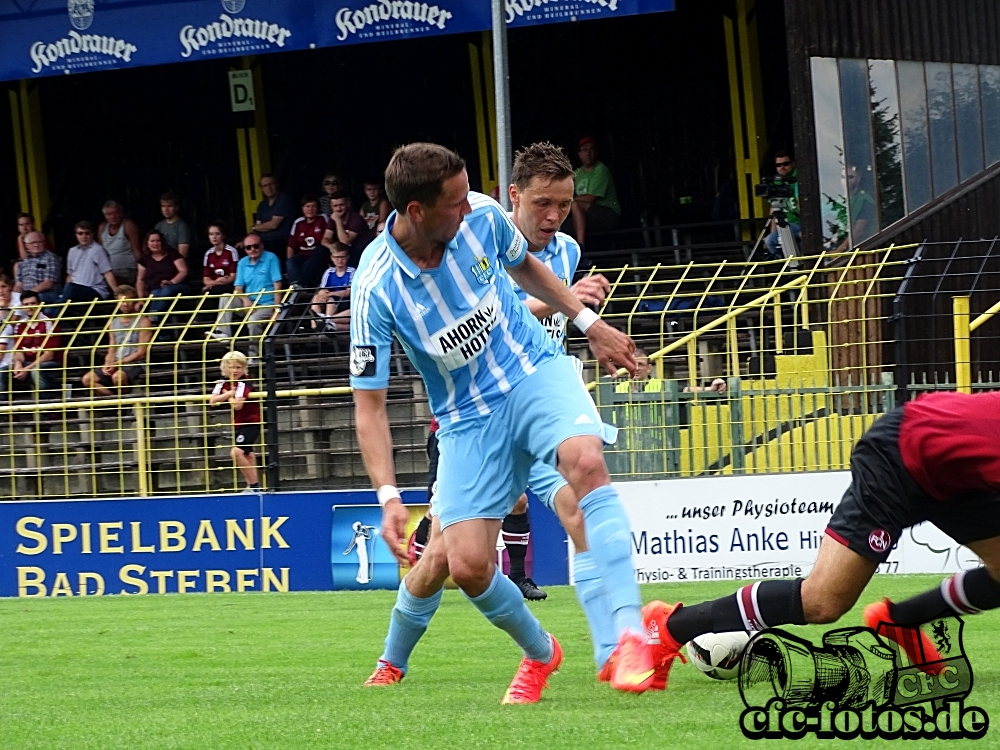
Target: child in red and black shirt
{"points": [[246, 415]]}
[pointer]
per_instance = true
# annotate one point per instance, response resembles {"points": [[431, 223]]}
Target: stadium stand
{"points": [[812, 351]]}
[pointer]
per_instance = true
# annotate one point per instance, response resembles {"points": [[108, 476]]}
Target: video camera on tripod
{"points": [[777, 192]]}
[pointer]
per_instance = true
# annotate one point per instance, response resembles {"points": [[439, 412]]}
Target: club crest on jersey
{"points": [[483, 271]]}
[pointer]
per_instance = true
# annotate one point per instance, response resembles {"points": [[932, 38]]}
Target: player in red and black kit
{"points": [[246, 415], [934, 459]]}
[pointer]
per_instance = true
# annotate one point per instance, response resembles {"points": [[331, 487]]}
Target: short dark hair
{"points": [[25, 215], [30, 293], [339, 196], [170, 197], [417, 172], [5, 279], [309, 198], [339, 247], [543, 160], [86, 225], [782, 154]]}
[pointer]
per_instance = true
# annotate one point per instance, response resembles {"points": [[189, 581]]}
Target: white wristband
{"points": [[386, 493], [585, 319]]}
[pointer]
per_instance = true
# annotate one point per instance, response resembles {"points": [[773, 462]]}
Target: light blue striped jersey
{"points": [[461, 324], [561, 256]]}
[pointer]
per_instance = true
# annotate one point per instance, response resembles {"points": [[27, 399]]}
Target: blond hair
{"points": [[127, 291], [229, 358]]}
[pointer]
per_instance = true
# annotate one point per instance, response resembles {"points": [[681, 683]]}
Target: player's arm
{"points": [[590, 290], [375, 440], [610, 347]]}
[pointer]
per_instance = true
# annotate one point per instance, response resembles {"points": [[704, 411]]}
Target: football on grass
{"points": [[718, 654]]}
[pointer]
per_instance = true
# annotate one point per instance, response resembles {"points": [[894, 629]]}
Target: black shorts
{"points": [[432, 464], [247, 436], [884, 500]]}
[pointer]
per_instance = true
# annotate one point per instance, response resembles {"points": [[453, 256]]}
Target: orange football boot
{"points": [[530, 680]]}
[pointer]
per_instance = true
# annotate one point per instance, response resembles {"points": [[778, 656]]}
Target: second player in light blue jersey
{"points": [[503, 395]]}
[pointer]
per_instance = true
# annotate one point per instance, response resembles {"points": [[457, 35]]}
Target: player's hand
{"points": [[591, 290], [394, 518], [718, 385], [612, 348], [108, 370]]}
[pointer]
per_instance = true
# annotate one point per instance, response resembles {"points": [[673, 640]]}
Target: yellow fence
{"points": [[72, 426], [754, 368]]}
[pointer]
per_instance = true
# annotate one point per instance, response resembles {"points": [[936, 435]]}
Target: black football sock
{"points": [[754, 607], [420, 536], [516, 532], [965, 593]]}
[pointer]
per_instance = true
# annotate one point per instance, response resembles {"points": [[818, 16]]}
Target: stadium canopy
{"points": [[59, 37]]}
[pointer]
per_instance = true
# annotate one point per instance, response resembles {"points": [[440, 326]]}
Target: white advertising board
{"points": [[754, 527]]}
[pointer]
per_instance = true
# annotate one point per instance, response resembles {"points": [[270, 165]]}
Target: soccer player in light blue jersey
{"points": [[541, 193], [503, 395]]}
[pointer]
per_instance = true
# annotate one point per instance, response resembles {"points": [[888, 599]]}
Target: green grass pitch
{"points": [[285, 671]]}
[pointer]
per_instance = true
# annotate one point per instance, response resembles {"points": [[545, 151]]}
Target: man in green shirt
{"points": [[595, 202]]}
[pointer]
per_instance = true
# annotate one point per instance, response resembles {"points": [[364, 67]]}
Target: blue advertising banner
{"points": [[293, 541], [536, 12], [55, 37]]}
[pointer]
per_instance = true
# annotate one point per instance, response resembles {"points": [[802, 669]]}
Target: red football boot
{"points": [[531, 677], [664, 648], [918, 647]]}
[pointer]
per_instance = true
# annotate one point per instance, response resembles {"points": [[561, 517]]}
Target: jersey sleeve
{"points": [[219, 385], [573, 257], [510, 243], [372, 327]]}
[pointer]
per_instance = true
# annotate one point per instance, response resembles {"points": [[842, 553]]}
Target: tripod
{"points": [[786, 238]]}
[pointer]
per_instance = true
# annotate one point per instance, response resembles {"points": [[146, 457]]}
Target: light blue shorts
{"points": [[486, 462]]}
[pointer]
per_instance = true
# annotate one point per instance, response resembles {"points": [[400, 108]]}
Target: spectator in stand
{"points": [[162, 272], [40, 271], [595, 205], [236, 389], [306, 255], [38, 355], [218, 268], [337, 281], [347, 227], [643, 381], [332, 184], [120, 237], [9, 313], [787, 174], [88, 269], [258, 276], [376, 209], [174, 230], [128, 346], [25, 225], [274, 216]]}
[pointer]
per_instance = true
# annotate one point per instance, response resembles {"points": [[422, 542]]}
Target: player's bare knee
{"points": [[235, 453], [521, 506], [584, 467], [472, 576]]}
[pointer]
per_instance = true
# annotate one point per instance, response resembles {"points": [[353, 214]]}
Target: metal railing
{"points": [[804, 347]]}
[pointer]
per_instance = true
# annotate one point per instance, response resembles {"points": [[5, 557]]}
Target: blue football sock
{"points": [[408, 623], [595, 604], [610, 542], [503, 604]]}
